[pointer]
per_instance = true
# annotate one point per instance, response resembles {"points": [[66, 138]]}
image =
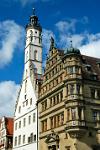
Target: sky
{"points": [[65, 20]]}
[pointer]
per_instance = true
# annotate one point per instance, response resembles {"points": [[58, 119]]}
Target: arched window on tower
{"points": [[35, 55], [31, 35], [25, 86], [27, 56]]}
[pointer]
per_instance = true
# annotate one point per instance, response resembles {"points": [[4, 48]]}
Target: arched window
{"points": [[31, 35], [25, 85], [35, 55], [31, 32], [26, 55]]}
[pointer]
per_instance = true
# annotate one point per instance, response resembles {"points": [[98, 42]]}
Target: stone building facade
{"points": [[69, 101]]}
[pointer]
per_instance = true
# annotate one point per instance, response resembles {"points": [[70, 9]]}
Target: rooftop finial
{"points": [[34, 11], [52, 43], [71, 43]]}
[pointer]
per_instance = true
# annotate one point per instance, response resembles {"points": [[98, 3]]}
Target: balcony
{"points": [[76, 128], [73, 76]]}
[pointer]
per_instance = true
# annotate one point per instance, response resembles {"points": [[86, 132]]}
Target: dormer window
{"points": [[88, 67], [94, 76], [98, 64]]}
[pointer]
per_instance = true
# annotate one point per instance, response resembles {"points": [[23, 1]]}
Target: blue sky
{"points": [[76, 20]]}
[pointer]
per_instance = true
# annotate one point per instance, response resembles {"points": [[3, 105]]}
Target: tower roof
{"points": [[34, 21]]}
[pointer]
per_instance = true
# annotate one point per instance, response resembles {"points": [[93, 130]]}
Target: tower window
{"points": [[35, 55], [25, 85], [31, 32]]}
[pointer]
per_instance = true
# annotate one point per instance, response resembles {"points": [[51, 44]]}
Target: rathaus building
{"points": [[69, 101]]}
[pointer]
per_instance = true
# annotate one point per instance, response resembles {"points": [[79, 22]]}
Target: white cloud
{"points": [[11, 37], [46, 38], [8, 95], [92, 46], [25, 2], [66, 26], [88, 43]]}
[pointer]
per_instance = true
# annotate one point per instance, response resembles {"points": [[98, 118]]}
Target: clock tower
{"points": [[26, 119]]}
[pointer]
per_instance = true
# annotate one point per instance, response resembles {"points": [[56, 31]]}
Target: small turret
{"points": [[73, 50]]}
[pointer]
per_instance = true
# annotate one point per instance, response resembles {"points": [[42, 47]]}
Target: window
{"points": [[26, 73], [34, 137], [23, 139], [31, 137], [95, 115], [29, 119], [93, 93], [57, 98], [19, 124], [70, 70], [35, 55], [16, 126], [79, 113], [26, 102], [31, 101], [78, 88], [15, 141], [61, 95], [68, 114], [34, 117], [54, 121], [19, 139], [25, 86], [62, 118], [19, 110], [51, 122], [44, 125], [24, 122], [54, 100], [98, 93], [77, 69], [58, 120], [72, 89], [31, 32], [44, 105], [67, 147], [90, 134], [27, 56], [25, 97], [73, 110]]}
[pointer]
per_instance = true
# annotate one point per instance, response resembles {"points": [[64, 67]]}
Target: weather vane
{"points": [[33, 11]]}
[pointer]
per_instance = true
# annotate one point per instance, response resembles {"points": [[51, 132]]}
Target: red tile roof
{"points": [[9, 125], [93, 63]]}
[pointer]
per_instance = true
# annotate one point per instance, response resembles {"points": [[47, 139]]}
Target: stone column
{"points": [[82, 114], [70, 114], [96, 93], [77, 116]]}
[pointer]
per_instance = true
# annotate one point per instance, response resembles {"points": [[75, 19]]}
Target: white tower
{"points": [[25, 120]]}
